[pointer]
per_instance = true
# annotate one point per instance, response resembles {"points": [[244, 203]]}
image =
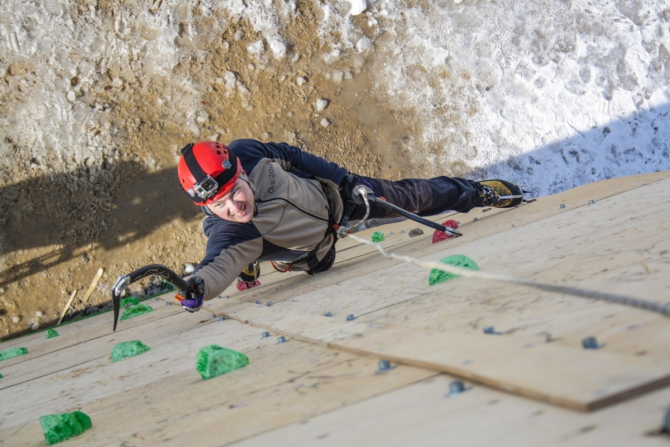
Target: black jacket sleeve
{"points": [[289, 157]]}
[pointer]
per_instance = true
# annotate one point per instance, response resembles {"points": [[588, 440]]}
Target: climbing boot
{"points": [[250, 272], [498, 194]]}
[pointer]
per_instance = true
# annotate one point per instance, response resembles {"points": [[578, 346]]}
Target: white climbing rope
{"points": [[618, 299]]}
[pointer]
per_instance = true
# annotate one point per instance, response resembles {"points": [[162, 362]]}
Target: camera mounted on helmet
{"points": [[207, 171]]}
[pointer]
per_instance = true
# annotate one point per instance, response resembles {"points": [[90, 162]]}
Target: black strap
{"points": [[192, 163], [349, 208]]}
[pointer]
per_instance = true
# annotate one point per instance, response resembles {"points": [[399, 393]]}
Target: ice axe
{"points": [[368, 196], [153, 269]]}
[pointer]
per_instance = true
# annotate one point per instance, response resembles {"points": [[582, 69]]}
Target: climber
{"points": [[275, 202]]}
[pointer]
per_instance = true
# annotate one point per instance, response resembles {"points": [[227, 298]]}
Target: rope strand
{"points": [[602, 296]]}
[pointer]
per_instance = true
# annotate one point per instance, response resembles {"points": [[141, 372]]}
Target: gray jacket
{"points": [[297, 202]]}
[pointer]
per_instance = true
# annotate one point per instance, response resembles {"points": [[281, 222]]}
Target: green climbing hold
{"points": [[457, 260], [377, 236], [214, 360], [129, 300], [60, 427], [1, 376], [51, 333], [136, 309], [128, 349], [12, 352]]}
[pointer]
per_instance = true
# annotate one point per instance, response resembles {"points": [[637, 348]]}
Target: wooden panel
{"points": [[574, 378], [161, 330], [283, 384], [563, 375], [424, 414], [74, 333], [88, 377], [402, 307]]}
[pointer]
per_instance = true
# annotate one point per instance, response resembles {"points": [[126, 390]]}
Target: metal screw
{"points": [[475, 220], [328, 314], [390, 233], [213, 316], [222, 318], [591, 202], [456, 387], [258, 301], [490, 330], [402, 231], [351, 317], [562, 206], [591, 343], [265, 335], [281, 339], [666, 423], [384, 365], [167, 304], [270, 303]]}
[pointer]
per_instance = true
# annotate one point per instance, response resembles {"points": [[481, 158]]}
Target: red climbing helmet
{"points": [[207, 171]]}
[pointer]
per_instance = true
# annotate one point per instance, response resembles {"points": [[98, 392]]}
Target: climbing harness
{"points": [[368, 196]]}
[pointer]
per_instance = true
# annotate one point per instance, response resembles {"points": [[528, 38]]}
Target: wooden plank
{"points": [[100, 347], [67, 307], [425, 414], [173, 353], [563, 375], [72, 334], [575, 378], [586, 258], [94, 283], [283, 384]]}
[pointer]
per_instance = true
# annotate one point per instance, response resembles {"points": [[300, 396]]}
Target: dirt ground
{"points": [[58, 229]]}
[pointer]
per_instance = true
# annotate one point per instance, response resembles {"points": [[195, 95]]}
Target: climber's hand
{"points": [[349, 183], [191, 298]]}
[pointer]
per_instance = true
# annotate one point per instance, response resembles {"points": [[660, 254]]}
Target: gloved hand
{"points": [[348, 184], [191, 298]]}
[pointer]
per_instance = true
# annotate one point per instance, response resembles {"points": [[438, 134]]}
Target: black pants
{"points": [[425, 197]]}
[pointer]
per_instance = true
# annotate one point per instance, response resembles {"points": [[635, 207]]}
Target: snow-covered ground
{"points": [[550, 94]]}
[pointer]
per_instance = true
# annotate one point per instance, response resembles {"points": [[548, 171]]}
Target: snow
{"points": [[357, 7], [550, 94]]}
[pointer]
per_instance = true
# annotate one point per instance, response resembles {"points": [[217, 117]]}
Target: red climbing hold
{"points": [[441, 235]]}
